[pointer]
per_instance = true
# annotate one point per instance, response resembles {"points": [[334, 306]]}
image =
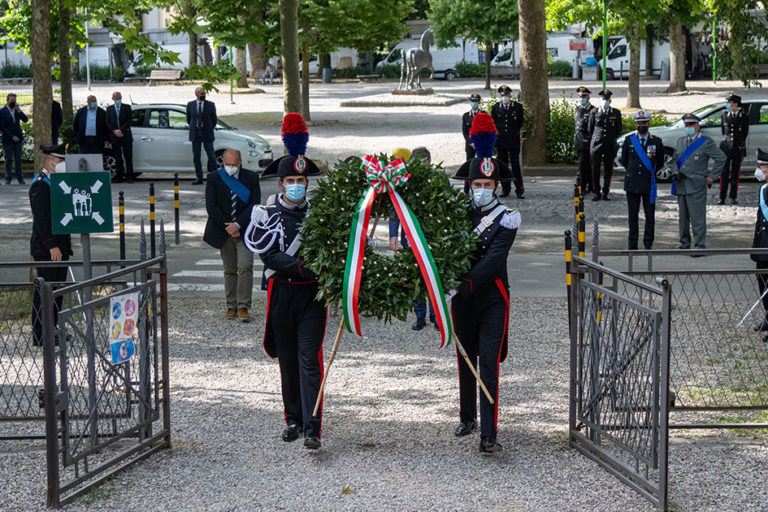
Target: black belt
{"points": [[90, 137]]}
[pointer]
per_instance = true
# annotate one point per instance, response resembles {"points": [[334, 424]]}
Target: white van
{"points": [[444, 60], [617, 63]]}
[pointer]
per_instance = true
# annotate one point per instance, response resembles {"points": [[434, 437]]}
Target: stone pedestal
{"points": [[413, 92]]}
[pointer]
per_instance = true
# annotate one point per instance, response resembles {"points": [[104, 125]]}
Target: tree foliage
{"points": [[475, 20]]}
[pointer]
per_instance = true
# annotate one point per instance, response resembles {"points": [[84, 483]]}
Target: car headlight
{"points": [[251, 143], [253, 153]]}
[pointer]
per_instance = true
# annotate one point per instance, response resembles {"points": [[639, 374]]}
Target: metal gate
{"points": [[619, 373], [101, 417]]}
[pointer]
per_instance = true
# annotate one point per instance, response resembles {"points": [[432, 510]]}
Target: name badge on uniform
{"points": [[695, 157]]}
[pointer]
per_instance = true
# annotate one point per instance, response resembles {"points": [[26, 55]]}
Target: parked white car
{"points": [[711, 126], [161, 142]]}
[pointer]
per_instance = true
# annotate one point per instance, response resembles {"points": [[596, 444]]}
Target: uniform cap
{"points": [[483, 135], [583, 91], [295, 137], [475, 97], [483, 168], [691, 119], [762, 156], [58, 150], [734, 98], [641, 116], [605, 93], [504, 90]]}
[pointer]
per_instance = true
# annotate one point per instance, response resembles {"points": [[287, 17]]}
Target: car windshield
{"points": [[700, 112], [221, 125]]}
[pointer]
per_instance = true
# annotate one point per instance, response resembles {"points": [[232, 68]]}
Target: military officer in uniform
{"points": [[605, 126], [507, 114], [690, 165], [582, 137], [735, 127], [295, 318], [480, 310], [760, 239], [44, 245], [641, 155], [466, 124]]}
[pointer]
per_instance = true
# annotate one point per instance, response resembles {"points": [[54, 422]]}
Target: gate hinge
{"points": [[59, 400], [672, 397]]}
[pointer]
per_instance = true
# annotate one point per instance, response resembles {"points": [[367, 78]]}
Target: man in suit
{"points": [[690, 163], [201, 118], [44, 245], [57, 118], [11, 118], [230, 194], [582, 137], [90, 126], [507, 114], [119, 126], [735, 127], [605, 126], [466, 124], [641, 155]]}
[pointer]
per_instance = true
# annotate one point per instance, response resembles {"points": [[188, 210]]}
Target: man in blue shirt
{"points": [[90, 126], [11, 118]]}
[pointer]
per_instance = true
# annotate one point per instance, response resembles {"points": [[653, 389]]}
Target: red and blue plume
{"points": [[483, 135], [295, 134]]}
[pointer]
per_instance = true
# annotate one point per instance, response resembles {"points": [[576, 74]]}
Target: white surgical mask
{"points": [[759, 174], [60, 167], [474, 105], [231, 169], [118, 103], [505, 99], [583, 101], [690, 131], [482, 196], [606, 103], [296, 192]]}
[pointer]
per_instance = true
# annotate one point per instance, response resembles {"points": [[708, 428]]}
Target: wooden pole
{"points": [[327, 368], [471, 368]]}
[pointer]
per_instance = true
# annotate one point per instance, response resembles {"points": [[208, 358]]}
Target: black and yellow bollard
{"points": [[568, 277], [176, 207], [151, 220], [582, 235], [121, 219]]}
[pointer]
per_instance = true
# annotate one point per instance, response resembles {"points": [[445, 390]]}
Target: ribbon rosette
{"points": [[385, 180]]}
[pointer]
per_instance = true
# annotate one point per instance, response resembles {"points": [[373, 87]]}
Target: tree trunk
{"points": [[305, 55], [75, 50], [192, 48], [258, 62], [633, 83], [676, 59], [533, 77], [65, 62], [241, 64], [289, 51], [649, 33], [40, 50], [487, 66]]}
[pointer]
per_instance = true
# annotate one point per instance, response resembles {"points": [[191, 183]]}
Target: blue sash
{"points": [[45, 179], [688, 152], [235, 186], [635, 140], [763, 205]]}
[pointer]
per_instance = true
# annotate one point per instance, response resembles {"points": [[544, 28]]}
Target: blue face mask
{"points": [[296, 192], [690, 131], [474, 105], [482, 196], [118, 103], [94, 105], [584, 101]]}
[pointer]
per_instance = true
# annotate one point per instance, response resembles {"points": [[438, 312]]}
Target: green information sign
{"points": [[81, 202]]}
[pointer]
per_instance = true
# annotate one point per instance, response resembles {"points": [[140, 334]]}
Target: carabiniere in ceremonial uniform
{"points": [[466, 124], [582, 136], [508, 115], [605, 126], [295, 319], [760, 239], [735, 127], [480, 310]]}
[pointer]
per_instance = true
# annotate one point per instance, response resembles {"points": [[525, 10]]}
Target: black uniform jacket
{"points": [[638, 178], [43, 239], [488, 273], [761, 228], [735, 128], [466, 126], [218, 203], [123, 124], [605, 128], [509, 122], [583, 134], [289, 270]]}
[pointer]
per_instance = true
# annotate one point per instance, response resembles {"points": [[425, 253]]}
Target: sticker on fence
{"points": [[124, 313]]}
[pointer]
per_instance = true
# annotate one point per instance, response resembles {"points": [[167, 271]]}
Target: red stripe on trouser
{"points": [[503, 291], [322, 372]]}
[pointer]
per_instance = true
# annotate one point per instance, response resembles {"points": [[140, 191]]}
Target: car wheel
{"points": [[450, 74], [110, 165], [609, 74], [668, 152]]}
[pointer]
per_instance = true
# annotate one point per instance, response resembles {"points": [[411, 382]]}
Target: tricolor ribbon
{"points": [[385, 180]]}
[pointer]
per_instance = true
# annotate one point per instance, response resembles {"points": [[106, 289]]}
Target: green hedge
{"points": [[104, 73], [470, 70], [559, 68], [15, 71], [561, 129]]}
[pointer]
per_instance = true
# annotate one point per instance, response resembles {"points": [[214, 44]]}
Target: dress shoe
{"points": [[118, 179], [489, 445], [291, 432], [504, 194], [520, 195], [419, 324], [465, 428], [734, 201], [244, 316], [198, 181], [596, 197], [312, 442], [762, 326], [230, 314], [722, 201], [765, 338], [606, 197]]}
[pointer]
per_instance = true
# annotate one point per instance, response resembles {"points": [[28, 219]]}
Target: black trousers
{"points": [[90, 145], [730, 174], [50, 274], [470, 151], [298, 323], [762, 282], [649, 210], [585, 171], [511, 157], [602, 157], [480, 322], [123, 149]]}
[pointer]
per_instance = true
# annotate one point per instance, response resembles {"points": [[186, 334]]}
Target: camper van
{"points": [[617, 63], [444, 60]]}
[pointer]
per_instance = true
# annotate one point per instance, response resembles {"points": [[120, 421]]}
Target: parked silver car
{"points": [[711, 123], [161, 142]]}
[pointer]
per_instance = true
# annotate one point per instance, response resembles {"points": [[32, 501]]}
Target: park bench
{"points": [[368, 78], [163, 74], [505, 71], [762, 69]]}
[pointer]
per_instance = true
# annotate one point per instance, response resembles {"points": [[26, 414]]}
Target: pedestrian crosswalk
{"points": [[207, 276]]}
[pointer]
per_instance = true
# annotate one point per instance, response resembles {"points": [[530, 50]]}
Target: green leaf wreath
{"points": [[389, 283]]}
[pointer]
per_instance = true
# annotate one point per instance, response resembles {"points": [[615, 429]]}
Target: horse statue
{"points": [[414, 60]]}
